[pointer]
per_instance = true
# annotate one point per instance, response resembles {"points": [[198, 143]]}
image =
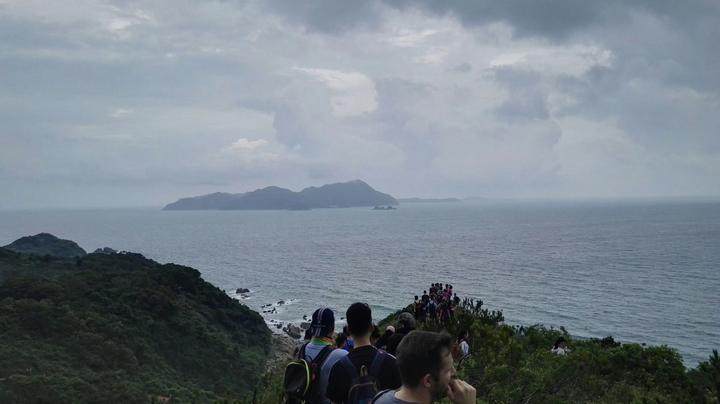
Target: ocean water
{"points": [[639, 271]]}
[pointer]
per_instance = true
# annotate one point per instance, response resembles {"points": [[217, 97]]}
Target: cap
{"points": [[323, 322]]}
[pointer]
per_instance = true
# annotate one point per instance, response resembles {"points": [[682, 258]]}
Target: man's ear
{"points": [[426, 381]]}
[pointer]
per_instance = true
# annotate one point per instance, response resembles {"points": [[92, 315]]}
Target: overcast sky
{"points": [[124, 103]]}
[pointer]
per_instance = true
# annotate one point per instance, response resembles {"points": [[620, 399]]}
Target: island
{"points": [[355, 193]]}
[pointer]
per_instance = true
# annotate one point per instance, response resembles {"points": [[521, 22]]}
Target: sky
{"points": [[139, 103]]}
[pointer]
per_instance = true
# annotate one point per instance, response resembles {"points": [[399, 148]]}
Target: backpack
{"points": [[302, 378], [363, 384]]}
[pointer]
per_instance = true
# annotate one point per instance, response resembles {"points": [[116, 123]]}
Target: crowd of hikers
{"points": [[438, 305], [398, 366]]}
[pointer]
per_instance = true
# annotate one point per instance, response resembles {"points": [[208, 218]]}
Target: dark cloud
{"points": [[329, 16], [563, 98]]}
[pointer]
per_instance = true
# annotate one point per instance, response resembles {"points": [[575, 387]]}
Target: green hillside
{"points": [[121, 328]]}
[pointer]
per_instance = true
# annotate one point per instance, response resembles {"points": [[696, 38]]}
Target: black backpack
{"points": [[364, 382], [302, 378]]}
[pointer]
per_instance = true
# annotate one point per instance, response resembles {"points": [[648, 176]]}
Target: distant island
{"points": [[415, 200], [355, 193]]}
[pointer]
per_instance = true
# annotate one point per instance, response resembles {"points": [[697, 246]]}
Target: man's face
{"points": [[439, 384]]}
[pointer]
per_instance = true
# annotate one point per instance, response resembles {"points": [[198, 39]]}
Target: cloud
{"points": [[427, 98], [353, 93], [244, 144]]}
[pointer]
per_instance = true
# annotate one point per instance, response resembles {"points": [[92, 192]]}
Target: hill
{"points": [[340, 195], [46, 244], [122, 328]]}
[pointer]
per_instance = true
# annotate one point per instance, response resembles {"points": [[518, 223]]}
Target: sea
{"points": [[645, 271]]}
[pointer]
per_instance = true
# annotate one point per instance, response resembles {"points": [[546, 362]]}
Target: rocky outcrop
{"points": [[46, 244]]}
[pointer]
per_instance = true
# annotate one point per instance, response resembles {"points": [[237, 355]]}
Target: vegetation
{"points": [[122, 328], [46, 244], [513, 364]]}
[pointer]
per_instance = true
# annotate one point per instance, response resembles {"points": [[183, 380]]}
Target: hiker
{"points": [[375, 336], [320, 354], [560, 347], [427, 372], [340, 339], [406, 323], [383, 341], [349, 343], [432, 310], [358, 376], [462, 341]]}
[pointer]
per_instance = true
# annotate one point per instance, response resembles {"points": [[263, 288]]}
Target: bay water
{"points": [[641, 271]]}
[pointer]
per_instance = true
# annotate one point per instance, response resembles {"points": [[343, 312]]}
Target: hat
{"points": [[406, 320], [323, 322]]}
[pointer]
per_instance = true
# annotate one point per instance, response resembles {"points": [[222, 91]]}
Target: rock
{"points": [[242, 290], [281, 302], [105, 250], [293, 331], [304, 316], [283, 351], [278, 326]]}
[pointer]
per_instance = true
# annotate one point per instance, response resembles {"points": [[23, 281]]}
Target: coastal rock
{"points": [[293, 331], [283, 351], [242, 290]]}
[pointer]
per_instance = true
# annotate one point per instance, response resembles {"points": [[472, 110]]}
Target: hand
{"points": [[459, 392]]}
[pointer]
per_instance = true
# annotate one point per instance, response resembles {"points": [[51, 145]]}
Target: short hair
{"points": [[359, 319], [420, 353]]}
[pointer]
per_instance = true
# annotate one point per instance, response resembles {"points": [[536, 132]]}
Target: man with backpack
{"points": [[306, 378], [360, 375], [427, 371]]}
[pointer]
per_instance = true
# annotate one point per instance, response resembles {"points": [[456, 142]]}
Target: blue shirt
{"points": [[311, 351]]}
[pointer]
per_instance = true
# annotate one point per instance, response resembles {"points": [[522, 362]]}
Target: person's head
{"points": [[375, 335], [323, 322], [463, 335], [340, 340], [416, 297], [424, 292], [359, 319], [389, 330], [406, 321], [425, 362], [560, 343]]}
